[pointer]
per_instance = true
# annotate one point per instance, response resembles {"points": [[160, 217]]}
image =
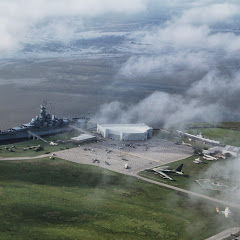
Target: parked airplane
{"points": [[163, 171], [95, 161], [209, 158], [226, 212], [187, 144], [197, 161]]}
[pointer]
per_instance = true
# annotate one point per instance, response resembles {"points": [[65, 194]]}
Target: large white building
{"points": [[125, 132]]}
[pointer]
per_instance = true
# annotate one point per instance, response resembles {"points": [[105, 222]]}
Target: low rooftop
{"points": [[231, 149], [83, 137]]}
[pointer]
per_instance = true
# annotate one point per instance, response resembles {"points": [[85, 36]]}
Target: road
{"points": [[225, 234], [24, 158], [126, 172], [136, 164], [231, 204]]}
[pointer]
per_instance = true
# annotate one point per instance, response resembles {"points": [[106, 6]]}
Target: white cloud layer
{"points": [[185, 43], [20, 20], [18, 17], [205, 100], [210, 14]]}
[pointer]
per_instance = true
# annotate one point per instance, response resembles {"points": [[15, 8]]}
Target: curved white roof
{"points": [[127, 128]]}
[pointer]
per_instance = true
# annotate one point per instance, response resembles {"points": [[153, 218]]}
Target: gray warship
{"points": [[42, 125]]}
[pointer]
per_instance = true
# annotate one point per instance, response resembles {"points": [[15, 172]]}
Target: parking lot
{"points": [[114, 155]]}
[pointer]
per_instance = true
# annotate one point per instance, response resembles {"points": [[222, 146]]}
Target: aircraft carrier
{"points": [[43, 124]]}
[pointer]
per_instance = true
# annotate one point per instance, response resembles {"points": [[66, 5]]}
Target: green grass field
{"points": [[18, 151], [225, 125], [193, 172], [225, 132], [225, 136], [56, 199]]}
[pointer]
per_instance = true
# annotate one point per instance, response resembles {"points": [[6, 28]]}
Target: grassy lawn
{"points": [[18, 151], [193, 172], [225, 125], [225, 132], [56, 199], [225, 136]]}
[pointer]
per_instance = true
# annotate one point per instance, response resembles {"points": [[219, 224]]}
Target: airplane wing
{"points": [[162, 168], [164, 175]]}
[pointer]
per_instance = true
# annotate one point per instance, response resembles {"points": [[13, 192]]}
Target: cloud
{"points": [[187, 51], [19, 17], [23, 21], [205, 100], [185, 41], [210, 14], [225, 173], [158, 109], [166, 64]]}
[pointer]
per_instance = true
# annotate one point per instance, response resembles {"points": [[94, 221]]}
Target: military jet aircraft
{"points": [[163, 171], [95, 161], [209, 158], [226, 212], [197, 161], [187, 144]]}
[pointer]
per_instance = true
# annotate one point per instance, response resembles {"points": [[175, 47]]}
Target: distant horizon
{"points": [[179, 60]]}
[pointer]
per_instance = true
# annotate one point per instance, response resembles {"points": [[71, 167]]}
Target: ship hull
{"points": [[25, 134]]}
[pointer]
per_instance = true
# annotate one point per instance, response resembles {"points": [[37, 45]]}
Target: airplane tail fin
{"points": [[179, 169]]}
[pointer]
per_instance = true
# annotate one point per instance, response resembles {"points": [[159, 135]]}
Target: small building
{"points": [[125, 132], [213, 150], [84, 138], [234, 151]]}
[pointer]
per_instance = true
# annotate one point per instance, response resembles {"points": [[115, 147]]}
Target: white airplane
{"points": [[209, 158], [187, 144], [226, 212], [163, 171], [107, 163], [197, 161]]}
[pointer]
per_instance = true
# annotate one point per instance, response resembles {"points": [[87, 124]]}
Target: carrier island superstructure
{"points": [[43, 124]]}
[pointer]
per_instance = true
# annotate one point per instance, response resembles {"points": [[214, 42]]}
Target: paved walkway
{"points": [[231, 204], [225, 234], [137, 164], [24, 158], [66, 156], [34, 135]]}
